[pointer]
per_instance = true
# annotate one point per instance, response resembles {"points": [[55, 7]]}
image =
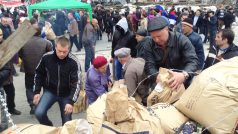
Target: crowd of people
{"points": [[142, 42]]}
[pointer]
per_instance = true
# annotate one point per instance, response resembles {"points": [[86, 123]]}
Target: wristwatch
{"points": [[186, 75]]}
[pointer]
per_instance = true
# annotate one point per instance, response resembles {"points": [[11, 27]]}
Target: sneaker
{"points": [[33, 108], [14, 112]]}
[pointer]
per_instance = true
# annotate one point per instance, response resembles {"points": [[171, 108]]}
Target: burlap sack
{"points": [[116, 103], [166, 95], [212, 98], [78, 126], [33, 129], [81, 104], [171, 119], [95, 113], [127, 115]]}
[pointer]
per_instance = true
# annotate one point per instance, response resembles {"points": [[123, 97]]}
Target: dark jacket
{"points": [[141, 46], [32, 52], [181, 55], [196, 40], [198, 25], [127, 39], [229, 18], [5, 72], [212, 24], [6, 30], [61, 77], [213, 57]]}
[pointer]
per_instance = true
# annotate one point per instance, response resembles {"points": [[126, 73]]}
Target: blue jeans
{"points": [[74, 40], [89, 55], [46, 101], [118, 69]]}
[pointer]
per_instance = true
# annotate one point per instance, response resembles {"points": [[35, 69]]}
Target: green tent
{"points": [[60, 4]]}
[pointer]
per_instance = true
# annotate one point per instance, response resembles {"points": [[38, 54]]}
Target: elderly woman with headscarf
{"points": [[97, 79]]}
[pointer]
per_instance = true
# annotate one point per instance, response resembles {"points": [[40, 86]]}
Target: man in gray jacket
{"points": [[31, 54], [170, 50]]}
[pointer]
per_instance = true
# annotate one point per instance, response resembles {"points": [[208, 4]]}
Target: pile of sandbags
{"points": [[164, 94], [212, 98], [125, 115], [79, 126]]}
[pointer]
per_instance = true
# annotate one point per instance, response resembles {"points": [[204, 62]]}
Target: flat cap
{"points": [[157, 23], [122, 52]]}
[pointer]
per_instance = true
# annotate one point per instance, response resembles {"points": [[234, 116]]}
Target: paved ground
{"points": [[102, 48]]}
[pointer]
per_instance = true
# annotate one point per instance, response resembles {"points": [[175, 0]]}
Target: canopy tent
{"points": [[60, 4]]}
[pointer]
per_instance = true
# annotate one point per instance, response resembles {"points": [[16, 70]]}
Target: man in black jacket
{"points": [[170, 50], [224, 48], [59, 72]]}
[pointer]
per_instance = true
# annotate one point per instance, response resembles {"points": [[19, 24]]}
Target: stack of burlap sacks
{"points": [[211, 100]]}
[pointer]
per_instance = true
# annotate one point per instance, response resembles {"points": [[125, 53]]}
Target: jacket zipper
{"points": [[58, 80], [215, 53]]}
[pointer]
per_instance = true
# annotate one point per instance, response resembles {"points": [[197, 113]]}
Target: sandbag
{"points": [[33, 129], [78, 126], [95, 113], [81, 104], [125, 115], [164, 94], [171, 119], [212, 98]]}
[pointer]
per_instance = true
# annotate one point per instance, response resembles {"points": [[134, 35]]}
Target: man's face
{"points": [[184, 17], [198, 13], [160, 37], [4, 21], [186, 29], [139, 38], [103, 69], [219, 40], [62, 52]]}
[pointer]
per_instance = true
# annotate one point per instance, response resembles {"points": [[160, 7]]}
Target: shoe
{"points": [[33, 108], [14, 112]]}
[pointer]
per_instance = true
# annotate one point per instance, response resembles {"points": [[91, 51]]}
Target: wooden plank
{"points": [[15, 42]]}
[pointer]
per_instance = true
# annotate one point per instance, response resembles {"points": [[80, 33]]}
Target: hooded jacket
{"points": [[123, 38]]}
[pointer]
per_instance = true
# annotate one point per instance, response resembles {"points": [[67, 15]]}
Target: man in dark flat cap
{"points": [[170, 50]]}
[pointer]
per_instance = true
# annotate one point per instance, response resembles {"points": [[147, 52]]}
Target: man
{"points": [[229, 18], [122, 37], [82, 24], [178, 27], [59, 72], [197, 22], [133, 73], [141, 38], [73, 31], [224, 48], [170, 50], [220, 14], [31, 54], [212, 24], [89, 41], [8, 85], [196, 40]]}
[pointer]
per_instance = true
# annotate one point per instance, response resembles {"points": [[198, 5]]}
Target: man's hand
{"points": [[36, 99], [176, 81], [68, 109]]}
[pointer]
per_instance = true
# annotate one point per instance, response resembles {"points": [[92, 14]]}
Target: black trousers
{"points": [[10, 95]]}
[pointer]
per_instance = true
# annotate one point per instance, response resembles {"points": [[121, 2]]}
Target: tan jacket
{"points": [[133, 72]]}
